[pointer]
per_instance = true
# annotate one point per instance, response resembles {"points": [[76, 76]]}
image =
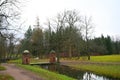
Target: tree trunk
{"points": [[70, 52], [88, 56]]}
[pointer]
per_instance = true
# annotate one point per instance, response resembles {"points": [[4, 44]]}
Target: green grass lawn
{"points": [[106, 58], [103, 58], [18, 61], [47, 75]]}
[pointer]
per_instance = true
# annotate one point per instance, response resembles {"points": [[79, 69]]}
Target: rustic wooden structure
{"points": [[26, 57], [52, 57]]}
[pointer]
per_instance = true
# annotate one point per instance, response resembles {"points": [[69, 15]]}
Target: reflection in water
{"points": [[77, 74]]}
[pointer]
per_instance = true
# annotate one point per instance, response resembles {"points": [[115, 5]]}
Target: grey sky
{"points": [[105, 13]]}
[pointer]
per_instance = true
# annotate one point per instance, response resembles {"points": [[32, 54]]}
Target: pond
{"points": [[77, 74]]}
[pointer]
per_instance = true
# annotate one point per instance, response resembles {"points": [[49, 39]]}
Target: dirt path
{"points": [[18, 73]]}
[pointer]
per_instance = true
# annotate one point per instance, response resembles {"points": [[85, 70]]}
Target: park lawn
{"points": [[106, 58], [107, 70], [102, 58], [47, 75], [17, 61]]}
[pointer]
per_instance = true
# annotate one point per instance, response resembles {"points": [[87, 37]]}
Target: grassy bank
{"points": [[47, 75], [6, 77], [107, 70], [110, 70]]}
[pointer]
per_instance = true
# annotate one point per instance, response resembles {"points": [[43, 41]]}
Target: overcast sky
{"points": [[105, 13]]}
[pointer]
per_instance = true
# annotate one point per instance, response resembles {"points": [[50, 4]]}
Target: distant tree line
{"points": [[69, 34], [104, 46]]}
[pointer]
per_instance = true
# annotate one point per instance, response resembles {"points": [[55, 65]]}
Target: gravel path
{"points": [[18, 73]]}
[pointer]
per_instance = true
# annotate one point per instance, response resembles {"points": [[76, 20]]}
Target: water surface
{"points": [[77, 74]]}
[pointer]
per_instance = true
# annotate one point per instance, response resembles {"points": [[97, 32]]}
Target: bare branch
{"points": [[8, 13], [4, 2]]}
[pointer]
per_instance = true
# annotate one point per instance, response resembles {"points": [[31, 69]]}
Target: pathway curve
{"points": [[19, 73]]}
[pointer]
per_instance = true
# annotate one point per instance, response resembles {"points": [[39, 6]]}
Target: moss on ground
{"points": [[6, 77], [2, 68]]}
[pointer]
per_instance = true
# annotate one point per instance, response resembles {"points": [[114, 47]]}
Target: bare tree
{"points": [[72, 18], [8, 12], [88, 30], [59, 22], [66, 24]]}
